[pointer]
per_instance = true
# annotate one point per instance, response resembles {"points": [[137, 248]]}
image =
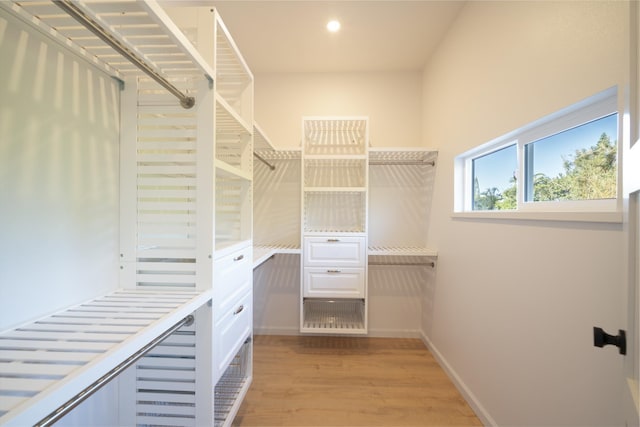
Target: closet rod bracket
{"points": [[210, 80], [119, 81]]}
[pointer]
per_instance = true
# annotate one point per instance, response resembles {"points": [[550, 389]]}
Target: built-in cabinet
{"points": [[334, 225], [174, 332]]}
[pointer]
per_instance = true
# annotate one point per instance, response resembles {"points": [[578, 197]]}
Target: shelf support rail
{"points": [[259, 157], [415, 264], [79, 15], [102, 381], [402, 162]]}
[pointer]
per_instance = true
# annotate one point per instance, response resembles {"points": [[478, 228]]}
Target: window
{"points": [[564, 162], [576, 164], [494, 177]]}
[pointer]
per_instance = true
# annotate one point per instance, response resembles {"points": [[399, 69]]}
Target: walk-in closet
{"points": [[238, 213]]}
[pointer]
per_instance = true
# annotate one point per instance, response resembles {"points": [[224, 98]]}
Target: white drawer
{"points": [[233, 275], [335, 251], [231, 330], [334, 282]]}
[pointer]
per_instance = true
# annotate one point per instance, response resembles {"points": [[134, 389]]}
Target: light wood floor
{"points": [[344, 381]]}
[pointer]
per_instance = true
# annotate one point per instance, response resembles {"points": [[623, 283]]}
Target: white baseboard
{"points": [[395, 333], [377, 333], [471, 399]]}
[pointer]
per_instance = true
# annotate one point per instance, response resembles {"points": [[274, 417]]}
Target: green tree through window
{"points": [[589, 174]]}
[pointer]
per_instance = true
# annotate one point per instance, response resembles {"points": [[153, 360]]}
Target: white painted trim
{"points": [[395, 333], [466, 392], [375, 333], [614, 217]]}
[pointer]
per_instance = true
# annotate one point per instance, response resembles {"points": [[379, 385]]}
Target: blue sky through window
{"points": [[496, 169], [550, 152]]}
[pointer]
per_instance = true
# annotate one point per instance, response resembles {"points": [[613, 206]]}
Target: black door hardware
{"points": [[601, 338]]}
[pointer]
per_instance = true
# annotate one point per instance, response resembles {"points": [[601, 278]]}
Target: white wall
{"points": [[59, 134], [514, 302], [276, 295], [392, 100], [59, 176]]}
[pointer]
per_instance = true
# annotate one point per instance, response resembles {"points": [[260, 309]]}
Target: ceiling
{"points": [[291, 36]]}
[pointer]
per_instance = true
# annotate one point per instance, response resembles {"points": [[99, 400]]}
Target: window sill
{"points": [[604, 217]]}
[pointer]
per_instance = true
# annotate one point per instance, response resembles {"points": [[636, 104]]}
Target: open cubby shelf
{"points": [[231, 386], [334, 316]]}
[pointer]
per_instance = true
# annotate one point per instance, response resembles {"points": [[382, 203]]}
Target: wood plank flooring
{"points": [[349, 381]]}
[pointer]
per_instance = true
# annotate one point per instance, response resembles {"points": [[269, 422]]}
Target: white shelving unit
{"points": [[185, 213], [233, 287], [334, 225], [233, 142], [227, 174]]}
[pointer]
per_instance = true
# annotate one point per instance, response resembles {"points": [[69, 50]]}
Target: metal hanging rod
{"points": [[400, 162], [99, 383], [79, 15], [417, 264], [259, 157]]}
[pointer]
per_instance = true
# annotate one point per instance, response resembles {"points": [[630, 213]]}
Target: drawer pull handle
{"points": [[238, 310], [238, 258], [333, 240], [333, 271]]}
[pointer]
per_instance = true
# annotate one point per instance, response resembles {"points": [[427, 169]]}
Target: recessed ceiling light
{"points": [[333, 26]]}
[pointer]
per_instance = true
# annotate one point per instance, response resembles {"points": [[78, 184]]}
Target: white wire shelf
{"points": [[232, 386], [406, 156], [401, 256], [228, 121], [280, 154], [234, 80], [334, 316], [233, 141], [50, 361], [260, 140], [335, 136], [262, 253], [329, 190], [224, 169], [401, 251]]}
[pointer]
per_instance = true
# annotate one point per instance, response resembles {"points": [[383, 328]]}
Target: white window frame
{"points": [[592, 108]]}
